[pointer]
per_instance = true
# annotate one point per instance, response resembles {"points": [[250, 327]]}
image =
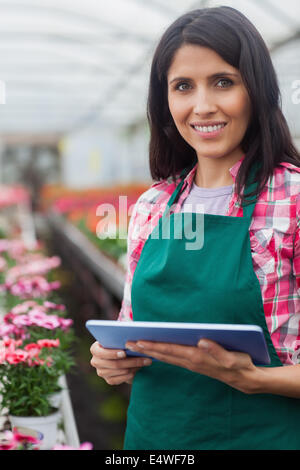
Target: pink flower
{"points": [[13, 247], [8, 342], [54, 306], [9, 329], [33, 267], [16, 323], [83, 446], [14, 440], [8, 318], [6, 330], [8, 443], [11, 343], [24, 438], [11, 358], [38, 310], [48, 343], [4, 245], [36, 315], [30, 346], [54, 285], [65, 323], [51, 322], [22, 320], [33, 350], [23, 307], [86, 446], [16, 357], [36, 286]]}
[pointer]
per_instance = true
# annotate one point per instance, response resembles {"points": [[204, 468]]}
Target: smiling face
{"points": [[209, 102]]}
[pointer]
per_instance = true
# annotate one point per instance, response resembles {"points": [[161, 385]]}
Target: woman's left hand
{"points": [[208, 358]]}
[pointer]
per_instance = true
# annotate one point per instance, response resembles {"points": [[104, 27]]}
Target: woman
{"points": [[219, 138]]}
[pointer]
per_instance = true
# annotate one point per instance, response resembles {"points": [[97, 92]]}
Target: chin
{"points": [[212, 154]]}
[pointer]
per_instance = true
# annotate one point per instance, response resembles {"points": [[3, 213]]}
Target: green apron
{"points": [[174, 408]]}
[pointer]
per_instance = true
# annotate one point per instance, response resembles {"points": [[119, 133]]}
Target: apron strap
{"points": [[177, 190], [251, 185]]}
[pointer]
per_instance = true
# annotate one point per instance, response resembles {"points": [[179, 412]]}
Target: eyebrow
{"points": [[215, 75]]}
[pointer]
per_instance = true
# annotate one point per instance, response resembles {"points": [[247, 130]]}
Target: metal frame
{"points": [[111, 276], [70, 434], [105, 77]]}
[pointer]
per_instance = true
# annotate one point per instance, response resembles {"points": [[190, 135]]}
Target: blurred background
{"points": [[73, 134]]}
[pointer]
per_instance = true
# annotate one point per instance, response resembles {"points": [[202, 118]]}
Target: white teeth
{"points": [[209, 128]]}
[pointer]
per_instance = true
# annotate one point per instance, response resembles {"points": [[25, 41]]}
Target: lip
{"points": [[209, 135], [208, 123]]}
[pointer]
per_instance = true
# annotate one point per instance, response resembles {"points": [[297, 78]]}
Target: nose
{"points": [[204, 102]]}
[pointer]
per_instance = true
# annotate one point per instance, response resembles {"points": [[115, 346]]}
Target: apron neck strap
{"points": [[177, 190], [251, 185]]}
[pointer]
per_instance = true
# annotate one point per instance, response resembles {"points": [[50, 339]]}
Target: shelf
{"points": [[107, 271], [69, 434]]}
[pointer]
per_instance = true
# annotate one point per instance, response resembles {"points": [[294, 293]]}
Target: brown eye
{"points": [[182, 86], [227, 82]]}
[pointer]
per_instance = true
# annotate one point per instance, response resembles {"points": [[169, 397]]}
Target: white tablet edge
{"points": [[204, 326]]}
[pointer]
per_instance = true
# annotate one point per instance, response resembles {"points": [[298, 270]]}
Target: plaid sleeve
{"points": [[296, 259]]}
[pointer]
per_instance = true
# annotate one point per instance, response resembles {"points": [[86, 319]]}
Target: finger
{"points": [[130, 362], [176, 361], [120, 379], [227, 359], [169, 358], [148, 347], [105, 353], [107, 373], [127, 363]]}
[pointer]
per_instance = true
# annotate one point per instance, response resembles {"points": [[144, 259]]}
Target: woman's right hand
{"points": [[114, 366]]}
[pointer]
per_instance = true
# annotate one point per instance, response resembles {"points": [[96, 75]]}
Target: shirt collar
{"points": [[235, 169]]}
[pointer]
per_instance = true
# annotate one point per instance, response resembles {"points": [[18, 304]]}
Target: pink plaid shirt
{"points": [[275, 247]]}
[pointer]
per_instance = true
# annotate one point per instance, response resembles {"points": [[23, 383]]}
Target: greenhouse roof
{"points": [[67, 64]]}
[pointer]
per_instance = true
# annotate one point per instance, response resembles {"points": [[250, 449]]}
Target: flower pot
{"points": [[31, 433], [46, 425], [55, 399]]}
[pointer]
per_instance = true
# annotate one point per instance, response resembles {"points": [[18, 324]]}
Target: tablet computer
{"points": [[244, 338]]}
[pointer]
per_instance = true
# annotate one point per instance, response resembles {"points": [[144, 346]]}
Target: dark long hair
{"points": [[230, 34]]}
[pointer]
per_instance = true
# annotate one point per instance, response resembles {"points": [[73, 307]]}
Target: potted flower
{"points": [[28, 373], [27, 287], [26, 439], [20, 439], [31, 322]]}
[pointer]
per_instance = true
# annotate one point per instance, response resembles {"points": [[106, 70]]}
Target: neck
{"points": [[214, 172]]}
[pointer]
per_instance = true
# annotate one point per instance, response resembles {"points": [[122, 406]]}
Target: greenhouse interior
{"points": [[74, 137]]}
